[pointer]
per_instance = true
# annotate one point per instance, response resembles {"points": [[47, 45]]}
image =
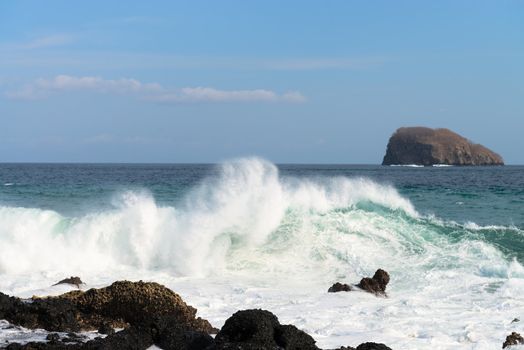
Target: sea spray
{"points": [[246, 218]]}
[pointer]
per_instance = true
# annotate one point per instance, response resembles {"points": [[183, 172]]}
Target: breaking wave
{"points": [[250, 219]]}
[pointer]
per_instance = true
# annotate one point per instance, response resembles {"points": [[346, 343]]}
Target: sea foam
{"points": [[247, 207]]}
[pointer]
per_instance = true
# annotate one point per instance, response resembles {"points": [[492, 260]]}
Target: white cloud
{"points": [[206, 94], [66, 82], [42, 88]]}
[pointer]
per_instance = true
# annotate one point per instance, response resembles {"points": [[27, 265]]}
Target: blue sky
{"points": [[291, 81]]}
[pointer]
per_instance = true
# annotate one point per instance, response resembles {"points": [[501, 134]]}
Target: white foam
{"points": [[15, 334], [241, 210]]}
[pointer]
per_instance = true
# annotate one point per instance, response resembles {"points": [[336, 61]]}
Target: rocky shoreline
{"points": [[138, 315], [147, 314]]}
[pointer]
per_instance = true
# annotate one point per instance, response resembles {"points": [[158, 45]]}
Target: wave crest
{"points": [[247, 218]]}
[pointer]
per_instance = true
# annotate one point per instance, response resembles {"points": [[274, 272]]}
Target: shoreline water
{"points": [[248, 234]]}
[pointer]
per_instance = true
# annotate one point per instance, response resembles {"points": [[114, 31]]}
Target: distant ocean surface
{"points": [[251, 234]]}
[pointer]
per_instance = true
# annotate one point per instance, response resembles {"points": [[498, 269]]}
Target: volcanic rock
{"points": [[134, 303], [425, 146], [106, 329], [151, 314], [513, 339], [71, 280], [376, 284], [119, 305], [339, 287], [372, 346], [52, 337], [260, 329], [366, 346]]}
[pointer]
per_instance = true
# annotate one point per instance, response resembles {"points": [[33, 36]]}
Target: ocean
{"points": [[247, 233]]}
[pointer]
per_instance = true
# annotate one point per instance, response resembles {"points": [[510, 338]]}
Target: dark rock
{"points": [[52, 337], [242, 346], [339, 287], [71, 280], [117, 306], [106, 328], [151, 314], [382, 278], [372, 346], [163, 332], [377, 284], [260, 329], [366, 346], [132, 338], [425, 146], [291, 338], [52, 314], [196, 341], [513, 339], [249, 326], [180, 339], [169, 333], [135, 303], [37, 346], [73, 338]]}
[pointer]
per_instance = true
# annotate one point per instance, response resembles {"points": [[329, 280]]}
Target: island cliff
{"points": [[426, 146]]}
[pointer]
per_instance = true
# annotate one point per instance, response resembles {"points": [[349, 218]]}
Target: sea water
{"points": [[251, 234]]}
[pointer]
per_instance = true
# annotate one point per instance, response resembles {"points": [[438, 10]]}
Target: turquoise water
{"points": [[487, 203]]}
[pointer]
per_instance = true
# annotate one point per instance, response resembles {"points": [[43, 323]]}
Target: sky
{"points": [[289, 81]]}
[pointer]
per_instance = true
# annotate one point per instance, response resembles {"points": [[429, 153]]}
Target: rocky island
{"points": [[426, 146]]}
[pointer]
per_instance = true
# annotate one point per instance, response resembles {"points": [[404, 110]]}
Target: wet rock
{"points": [[135, 303], [118, 306], [36, 346], [260, 329], [73, 338], [242, 346], [168, 333], [74, 280], [513, 339], [51, 314], [132, 338], [106, 328], [372, 346], [151, 314], [291, 338], [180, 339], [53, 337], [376, 284], [339, 287], [249, 326]]}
